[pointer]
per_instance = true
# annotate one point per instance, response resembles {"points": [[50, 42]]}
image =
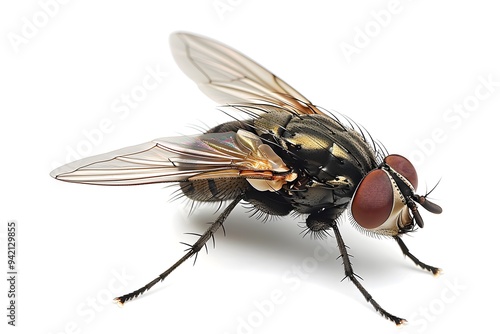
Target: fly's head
{"points": [[385, 202]]}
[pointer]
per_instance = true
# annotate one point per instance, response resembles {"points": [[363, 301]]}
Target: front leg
{"points": [[349, 272], [320, 222], [406, 252]]}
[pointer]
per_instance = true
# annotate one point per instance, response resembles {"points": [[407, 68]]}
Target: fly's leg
{"points": [[353, 277], [422, 265], [193, 250]]}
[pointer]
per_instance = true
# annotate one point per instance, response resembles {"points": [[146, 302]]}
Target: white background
{"points": [[412, 70]]}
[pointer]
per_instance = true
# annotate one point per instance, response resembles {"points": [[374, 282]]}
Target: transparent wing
{"points": [[208, 156], [228, 77]]}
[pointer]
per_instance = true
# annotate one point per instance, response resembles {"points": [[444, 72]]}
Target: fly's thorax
{"points": [[329, 158], [312, 200], [273, 122], [333, 155]]}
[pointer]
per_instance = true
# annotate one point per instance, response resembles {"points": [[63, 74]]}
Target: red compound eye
{"points": [[373, 200], [404, 167]]}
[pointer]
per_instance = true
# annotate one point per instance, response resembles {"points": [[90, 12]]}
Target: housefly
{"points": [[284, 155]]}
